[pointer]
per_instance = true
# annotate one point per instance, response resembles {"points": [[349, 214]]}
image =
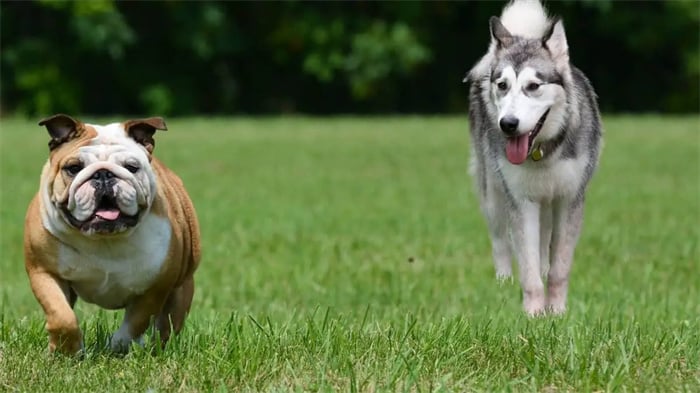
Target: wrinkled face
{"points": [[99, 179]]}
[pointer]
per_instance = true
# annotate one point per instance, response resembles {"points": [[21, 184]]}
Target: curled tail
{"points": [[526, 18]]}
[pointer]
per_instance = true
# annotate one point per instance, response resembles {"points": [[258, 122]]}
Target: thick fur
{"points": [[534, 209], [145, 265]]}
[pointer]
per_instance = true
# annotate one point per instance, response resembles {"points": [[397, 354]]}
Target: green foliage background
{"points": [[175, 57]]}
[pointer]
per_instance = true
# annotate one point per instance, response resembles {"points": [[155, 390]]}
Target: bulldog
{"points": [[113, 226]]}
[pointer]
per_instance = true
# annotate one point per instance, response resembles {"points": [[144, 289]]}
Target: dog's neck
{"points": [[543, 150]]}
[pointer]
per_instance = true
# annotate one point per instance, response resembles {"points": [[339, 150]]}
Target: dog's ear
{"points": [[499, 33], [555, 41], [61, 128], [142, 130]]}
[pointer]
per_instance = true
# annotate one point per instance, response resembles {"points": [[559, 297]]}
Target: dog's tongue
{"points": [[110, 215], [516, 149]]}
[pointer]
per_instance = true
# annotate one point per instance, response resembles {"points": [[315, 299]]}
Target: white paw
{"points": [[122, 345], [534, 303], [119, 343], [504, 275], [556, 310], [121, 340], [556, 305]]}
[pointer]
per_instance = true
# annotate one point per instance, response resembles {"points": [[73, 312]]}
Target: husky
{"points": [[536, 136]]}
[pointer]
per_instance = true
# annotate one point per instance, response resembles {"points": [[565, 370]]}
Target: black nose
{"points": [[509, 124], [102, 176]]}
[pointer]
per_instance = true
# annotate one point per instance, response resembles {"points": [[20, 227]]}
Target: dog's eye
{"points": [[131, 168], [502, 86], [73, 169], [532, 86]]}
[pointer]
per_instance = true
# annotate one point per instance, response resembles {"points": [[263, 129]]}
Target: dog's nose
{"points": [[509, 124], [102, 175]]}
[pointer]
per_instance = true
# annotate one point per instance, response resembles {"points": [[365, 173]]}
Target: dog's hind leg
{"points": [[566, 228], [526, 243], [175, 310]]}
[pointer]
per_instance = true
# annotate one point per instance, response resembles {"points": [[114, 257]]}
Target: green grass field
{"points": [[349, 254]]}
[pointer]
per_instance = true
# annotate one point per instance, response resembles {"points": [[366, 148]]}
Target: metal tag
{"points": [[537, 154]]}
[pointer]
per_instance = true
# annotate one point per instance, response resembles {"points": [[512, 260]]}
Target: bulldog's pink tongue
{"points": [[516, 149], [109, 215]]}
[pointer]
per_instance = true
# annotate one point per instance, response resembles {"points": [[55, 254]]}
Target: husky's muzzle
{"points": [[518, 146]]}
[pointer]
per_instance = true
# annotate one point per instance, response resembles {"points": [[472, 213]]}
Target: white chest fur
{"points": [[562, 178], [110, 272]]}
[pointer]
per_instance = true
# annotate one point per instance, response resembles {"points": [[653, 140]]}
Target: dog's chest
{"points": [[110, 273], [561, 179]]}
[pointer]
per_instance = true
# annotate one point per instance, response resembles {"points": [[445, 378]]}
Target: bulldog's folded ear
{"points": [[62, 128], [142, 130]]}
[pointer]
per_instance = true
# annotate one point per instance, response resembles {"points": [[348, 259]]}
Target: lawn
{"points": [[349, 254]]}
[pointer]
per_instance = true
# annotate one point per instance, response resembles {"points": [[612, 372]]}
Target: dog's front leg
{"points": [[137, 318], [494, 203], [545, 237], [567, 226], [61, 322], [526, 244]]}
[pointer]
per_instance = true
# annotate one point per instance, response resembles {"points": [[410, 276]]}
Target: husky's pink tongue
{"points": [[516, 149], [109, 215]]}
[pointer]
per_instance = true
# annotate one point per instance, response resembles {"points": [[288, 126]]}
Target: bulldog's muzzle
{"points": [[105, 215]]}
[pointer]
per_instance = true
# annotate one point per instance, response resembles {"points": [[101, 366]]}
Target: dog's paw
{"points": [[534, 303], [556, 306], [504, 277], [119, 345], [69, 342], [121, 340], [535, 312], [73, 348], [556, 311]]}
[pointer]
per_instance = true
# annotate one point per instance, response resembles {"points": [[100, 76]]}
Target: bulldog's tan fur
{"points": [[146, 268]]}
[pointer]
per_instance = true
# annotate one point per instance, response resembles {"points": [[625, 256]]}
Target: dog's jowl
{"points": [[536, 137], [113, 226]]}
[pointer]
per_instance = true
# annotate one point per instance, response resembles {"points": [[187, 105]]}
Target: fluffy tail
{"points": [[525, 18]]}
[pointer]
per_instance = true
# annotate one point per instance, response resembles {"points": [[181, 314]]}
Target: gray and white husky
{"points": [[536, 137]]}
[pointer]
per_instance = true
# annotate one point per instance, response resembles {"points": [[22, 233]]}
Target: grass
{"points": [[348, 254]]}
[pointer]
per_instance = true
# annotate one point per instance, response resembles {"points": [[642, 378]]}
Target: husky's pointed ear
{"points": [[142, 130], [500, 34], [555, 41]]}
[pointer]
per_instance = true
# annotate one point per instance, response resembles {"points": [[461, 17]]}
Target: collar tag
{"points": [[537, 153]]}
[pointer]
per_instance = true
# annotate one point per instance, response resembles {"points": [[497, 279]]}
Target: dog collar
{"points": [[544, 149]]}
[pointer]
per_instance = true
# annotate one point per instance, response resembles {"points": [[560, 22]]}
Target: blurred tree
{"points": [[46, 63], [106, 57], [364, 59]]}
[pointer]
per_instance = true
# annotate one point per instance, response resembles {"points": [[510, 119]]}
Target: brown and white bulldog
{"points": [[113, 226]]}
